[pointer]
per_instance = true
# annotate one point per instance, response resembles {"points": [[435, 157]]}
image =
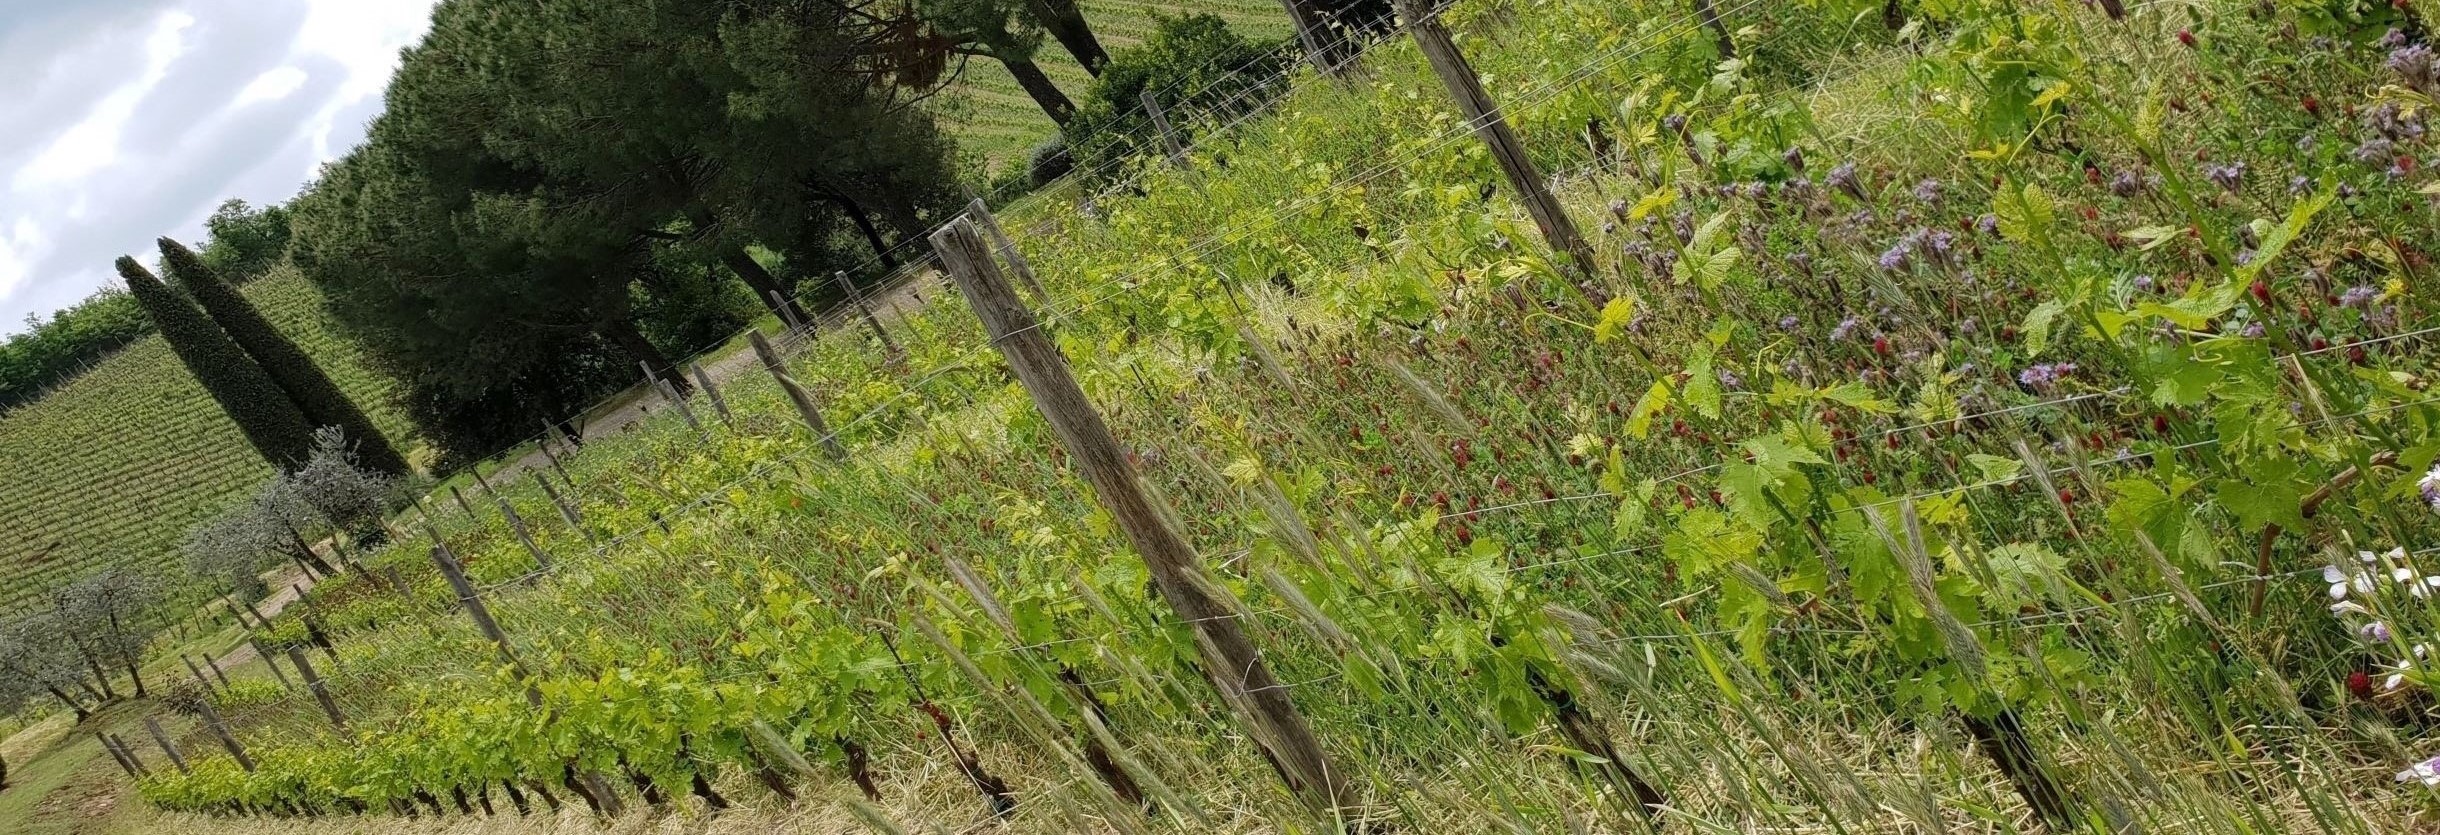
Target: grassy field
{"points": [[116, 466], [1971, 428]]}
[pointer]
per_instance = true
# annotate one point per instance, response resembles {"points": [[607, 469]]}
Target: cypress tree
{"points": [[270, 421], [289, 366]]}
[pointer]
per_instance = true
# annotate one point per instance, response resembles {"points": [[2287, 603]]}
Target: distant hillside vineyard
{"points": [[116, 466]]}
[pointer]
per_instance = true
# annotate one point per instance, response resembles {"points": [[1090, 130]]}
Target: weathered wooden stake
{"points": [[211, 720], [321, 693], [670, 393], [516, 524], [567, 510], [981, 214], [214, 663], [258, 613], [550, 431], [120, 743], [1160, 122], [473, 603], [167, 748], [1313, 32], [1506, 149], [1230, 661], [806, 406], [125, 759], [198, 674], [1710, 16], [787, 312], [271, 664], [720, 406], [463, 507], [871, 322]]}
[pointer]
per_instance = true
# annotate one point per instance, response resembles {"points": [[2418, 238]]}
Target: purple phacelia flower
{"points": [[2126, 184], [2299, 184], [2358, 296], [1928, 191], [1987, 224], [1674, 123], [1844, 179], [1789, 323], [2046, 376], [2415, 68], [1899, 255], [1802, 260], [1730, 381], [1795, 159], [2227, 177], [2391, 39], [2252, 330], [2375, 150], [1846, 328], [1941, 245], [2430, 488], [2144, 283]]}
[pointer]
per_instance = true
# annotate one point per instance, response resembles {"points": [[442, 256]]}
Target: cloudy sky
{"points": [[125, 120]]}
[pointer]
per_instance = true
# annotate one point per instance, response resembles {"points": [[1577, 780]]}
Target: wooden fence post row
{"points": [[1230, 661], [153, 726], [516, 524], [1507, 150], [806, 406], [211, 721]]}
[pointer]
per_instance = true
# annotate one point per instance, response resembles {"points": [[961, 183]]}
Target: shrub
{"points": [[1048, 161], [1191, 64]]}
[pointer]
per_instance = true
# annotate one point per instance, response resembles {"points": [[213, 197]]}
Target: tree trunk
{"points": [[306, 552], [765, 284], [622, 333], [1065, 21], [872, 234], [81, 713], [1037, 84]]}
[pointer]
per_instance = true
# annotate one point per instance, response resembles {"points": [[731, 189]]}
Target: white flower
{"points": [[2376, 632], [2426, 772], [2348, 607]]}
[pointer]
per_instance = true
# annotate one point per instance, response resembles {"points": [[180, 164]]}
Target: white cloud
{"points": [[233, 98]]}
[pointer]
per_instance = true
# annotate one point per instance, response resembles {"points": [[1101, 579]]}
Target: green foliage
{"points": [[1192, 65], [296, 373], [268, 419], [245, 241], [50, 352]]}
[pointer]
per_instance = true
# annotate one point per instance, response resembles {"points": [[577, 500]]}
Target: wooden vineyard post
{"points": [[168, 749], [567, 510], [463, 507], [806, 406], [550, 432], [871, 322], [787, 312], [1313, 33], [671, 394], [981, 215], [220, 730], [1160, 122], [596, 791], [125, 758], [1492, 128], [704, 381], [197, 672], [1230, 660], [1710, 15], [516, 524], [321, 693], [214, 664], [271, 664]]}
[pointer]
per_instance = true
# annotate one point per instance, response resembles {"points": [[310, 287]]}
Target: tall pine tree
{"points": [[289, 367], [268, 418]]}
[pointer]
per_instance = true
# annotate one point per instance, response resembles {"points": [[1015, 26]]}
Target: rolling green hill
{"points": [[115, 466]]}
